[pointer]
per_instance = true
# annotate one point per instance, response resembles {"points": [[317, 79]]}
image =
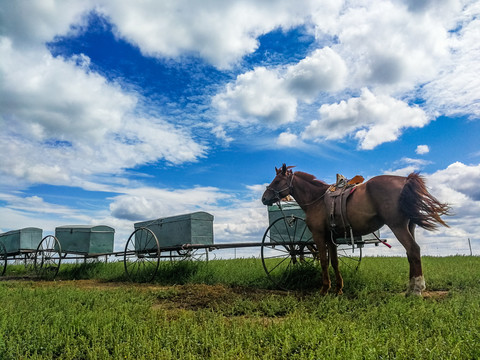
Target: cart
{"points": [[19, 245], [72, 242], [182, 237]]}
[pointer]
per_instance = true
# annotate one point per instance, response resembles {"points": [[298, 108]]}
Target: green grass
{"points": [[227, 309]]}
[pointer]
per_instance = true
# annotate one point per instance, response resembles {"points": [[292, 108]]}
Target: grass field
{"points": [[227, 309]]}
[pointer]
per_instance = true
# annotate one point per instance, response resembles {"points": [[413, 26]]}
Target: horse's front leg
{"points": [[319, 239], [332, 251]]}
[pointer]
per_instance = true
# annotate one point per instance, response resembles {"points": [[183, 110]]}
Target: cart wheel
{"points": [[48, 257], [289, 254], [3, 259], [189, 255], [142, 255], [349, 258]]}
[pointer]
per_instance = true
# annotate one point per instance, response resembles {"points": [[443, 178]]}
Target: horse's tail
{"points": [[420, 206]]}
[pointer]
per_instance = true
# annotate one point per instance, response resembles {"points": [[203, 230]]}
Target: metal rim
{"points": [[48, 257], [347, 257], [142, 255], [288, 252], [3, 259]]}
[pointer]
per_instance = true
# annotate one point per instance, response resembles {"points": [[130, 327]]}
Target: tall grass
{"points": [[227, 309]]}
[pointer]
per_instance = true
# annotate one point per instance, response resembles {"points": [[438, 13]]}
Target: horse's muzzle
{"points": [[267, 201]]}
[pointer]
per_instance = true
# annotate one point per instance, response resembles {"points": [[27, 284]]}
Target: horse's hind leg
{"points": [[332, 251], [406, 237]]}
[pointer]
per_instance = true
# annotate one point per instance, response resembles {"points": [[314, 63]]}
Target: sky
{"points": [[114, 112]]}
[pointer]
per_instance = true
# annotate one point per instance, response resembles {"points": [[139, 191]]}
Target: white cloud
{"points": [[456, 90], [271, 96], [422, 149], [219, 31], [256, 96], [394, 64], [52, 98], [151, 203], [32, 23], [406, 166], [64, 123], [461, 178], [371, 119], [323, 70], [287, 139], [381, 55]]}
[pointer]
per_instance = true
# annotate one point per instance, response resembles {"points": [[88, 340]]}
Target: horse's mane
{"points": [[310, 178]]}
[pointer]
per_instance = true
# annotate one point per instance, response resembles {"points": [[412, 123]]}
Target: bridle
{"points": [[277, 192], [290, 188]]}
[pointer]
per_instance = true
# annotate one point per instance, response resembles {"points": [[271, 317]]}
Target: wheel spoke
{"points": [[142, 255], [48, 257], [287, 252]]}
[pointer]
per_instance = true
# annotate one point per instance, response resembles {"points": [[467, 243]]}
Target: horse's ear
{"points": [[278, 171], [289, 169], [284, 169]]}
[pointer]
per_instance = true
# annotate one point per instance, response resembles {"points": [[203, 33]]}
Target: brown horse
{"points": [[399, 202]]}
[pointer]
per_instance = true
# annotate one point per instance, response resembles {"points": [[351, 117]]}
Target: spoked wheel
{"points": [[142, 255], [189, 255], [3, 259], [289, 254], [48, 257], [349, 258]]}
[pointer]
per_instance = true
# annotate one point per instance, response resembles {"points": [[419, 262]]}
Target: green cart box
{"points": [[280, 232], [195, 228], [85, 239], [17, 241]]}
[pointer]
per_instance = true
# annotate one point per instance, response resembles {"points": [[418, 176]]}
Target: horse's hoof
{"points": [[416, 286], [324, 292]]}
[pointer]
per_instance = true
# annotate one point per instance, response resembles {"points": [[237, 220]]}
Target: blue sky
{"points": [[114, 112]]}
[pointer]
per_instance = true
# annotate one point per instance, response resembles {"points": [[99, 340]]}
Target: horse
{"points": [[399, 202]]}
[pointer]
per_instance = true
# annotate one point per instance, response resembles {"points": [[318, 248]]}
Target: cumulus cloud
{"points": [[271, 96], [219, 31], [151, 203], [256, 96], [434, 55], [378, 54], [323, 70], [31, 24], [287, 139], [64, 123], [422, 149], [371, 119], [461, 178], [456, 90], [53, 98]]}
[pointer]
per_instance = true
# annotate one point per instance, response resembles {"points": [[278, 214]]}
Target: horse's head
{"points": [[280, 187]]}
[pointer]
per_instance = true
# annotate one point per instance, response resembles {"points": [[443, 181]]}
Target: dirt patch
{"points": [[201, 296], [436, 295]]}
